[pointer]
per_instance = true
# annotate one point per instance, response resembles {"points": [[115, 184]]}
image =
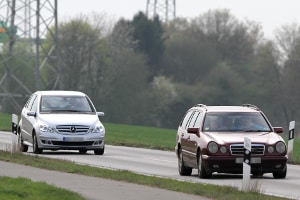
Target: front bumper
{"points": [[260, 164], [54, 141]]}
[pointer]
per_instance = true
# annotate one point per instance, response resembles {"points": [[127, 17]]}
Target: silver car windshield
{"points": [[231, 121], [65, 104]]}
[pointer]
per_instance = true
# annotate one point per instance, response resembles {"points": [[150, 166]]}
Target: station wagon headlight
{"points": [[212, 147], [280, 147], [46, 128]]}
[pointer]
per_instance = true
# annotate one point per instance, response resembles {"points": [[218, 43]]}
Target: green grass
{"points": [[205, 190], [23, 189], [5, 122], [139, 136]]}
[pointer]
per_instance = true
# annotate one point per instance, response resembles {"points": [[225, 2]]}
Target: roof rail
{"points": [[200, 105], [251, 106]]}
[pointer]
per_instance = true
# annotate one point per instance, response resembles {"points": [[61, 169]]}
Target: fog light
{"points": [[271, 149], [278, 166], [223, 149], [98, 142]]}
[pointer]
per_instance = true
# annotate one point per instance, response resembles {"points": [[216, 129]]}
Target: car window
{"points": [[235, 121], [65, 104], [34, 104], [186, 118], [27, 102], [30, 102], [193, 119], [198, 120]]}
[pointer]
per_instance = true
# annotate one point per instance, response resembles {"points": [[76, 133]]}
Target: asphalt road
{"points": [[163, 163], [90, 188]]}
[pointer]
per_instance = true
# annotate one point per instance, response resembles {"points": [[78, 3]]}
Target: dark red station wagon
{"points": [[211, 139]]}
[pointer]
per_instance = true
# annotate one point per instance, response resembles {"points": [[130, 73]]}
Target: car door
{"points": [[182, 133], [28, 121], [192, 138]]}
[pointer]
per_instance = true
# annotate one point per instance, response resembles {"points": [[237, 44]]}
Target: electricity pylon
{"points": [[164, 9], [25, 23]]}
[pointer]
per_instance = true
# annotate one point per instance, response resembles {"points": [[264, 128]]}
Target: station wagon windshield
{"points": [[231, 121]]}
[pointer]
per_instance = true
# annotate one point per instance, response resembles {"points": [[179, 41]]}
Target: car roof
{"points": [[246, 108], [60, 92]]}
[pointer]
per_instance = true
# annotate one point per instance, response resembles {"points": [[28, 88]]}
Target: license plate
{"points": [[72, 139], [254, 160]]}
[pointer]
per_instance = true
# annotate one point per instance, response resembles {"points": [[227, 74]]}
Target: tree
{"points": [[188, 56], [83, 53], [234, 41], [288, 40], [149, 36]]}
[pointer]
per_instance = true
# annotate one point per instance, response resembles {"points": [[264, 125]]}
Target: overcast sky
{"points": [[271, 14]]}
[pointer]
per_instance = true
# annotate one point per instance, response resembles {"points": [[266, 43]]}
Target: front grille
{"points": [[72, 129], [238, 149]]}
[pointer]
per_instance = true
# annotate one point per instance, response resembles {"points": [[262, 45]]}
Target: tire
{"points": [[36, 149], [182, 169], [82, 151], [201, 170], [99, 151], [282, 174], [23, 147]]}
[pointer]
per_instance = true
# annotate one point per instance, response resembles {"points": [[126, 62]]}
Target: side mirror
{"points": [[278, 129], [31, 113], [100, 114]]}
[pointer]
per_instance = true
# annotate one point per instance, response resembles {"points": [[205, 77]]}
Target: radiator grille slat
{"points": [[256, 149], [72, 129]]}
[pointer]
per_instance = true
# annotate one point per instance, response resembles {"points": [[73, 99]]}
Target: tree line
{"points": [[146, 72]]}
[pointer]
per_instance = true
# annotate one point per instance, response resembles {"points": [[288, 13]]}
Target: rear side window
{"points": [[195, 120], [198, 120], [186, 118]]}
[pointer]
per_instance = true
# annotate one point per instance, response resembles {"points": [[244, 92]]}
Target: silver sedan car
{"points": [[57, 120]]}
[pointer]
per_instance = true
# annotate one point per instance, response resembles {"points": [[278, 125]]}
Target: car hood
{"points": [[230, 138], [69, 119]]}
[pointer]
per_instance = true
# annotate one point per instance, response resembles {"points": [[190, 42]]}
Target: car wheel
{"points": [[99, 151], [280, 174], [23, 147], [201, 170], [82, 151], [35, 147], [182, 169]]}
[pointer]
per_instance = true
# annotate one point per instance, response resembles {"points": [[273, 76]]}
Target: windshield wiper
{"points": [[253, 130]]}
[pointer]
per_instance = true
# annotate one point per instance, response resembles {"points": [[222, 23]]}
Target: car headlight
{"points": [[280, 147], [212, 147], [46, 128], [97, 129]]}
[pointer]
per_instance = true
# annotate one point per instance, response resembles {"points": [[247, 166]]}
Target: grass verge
{"points": [[25, 189], [205, 190]]}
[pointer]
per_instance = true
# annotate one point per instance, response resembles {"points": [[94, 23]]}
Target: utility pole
{"points": [[164, 9]]}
